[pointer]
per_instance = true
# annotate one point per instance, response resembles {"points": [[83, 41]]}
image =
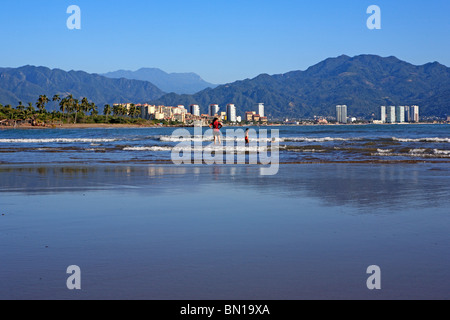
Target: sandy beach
{"points": [[224, 232]]}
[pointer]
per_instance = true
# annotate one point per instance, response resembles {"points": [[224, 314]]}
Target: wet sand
{"points": [[220, 232]]}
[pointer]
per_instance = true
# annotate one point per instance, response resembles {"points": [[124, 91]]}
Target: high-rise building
{"points": [[408, 114], [195, 109], [415, 113], [383, 114], [400, 114], [260, 108], [341, 112], [231, 112], [390, 114], [213, 109]]}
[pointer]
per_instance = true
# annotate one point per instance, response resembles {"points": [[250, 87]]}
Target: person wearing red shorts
{"points": [[216, 125]]}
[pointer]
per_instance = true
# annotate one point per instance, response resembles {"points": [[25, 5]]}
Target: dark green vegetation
{"points": [[71, 110]]}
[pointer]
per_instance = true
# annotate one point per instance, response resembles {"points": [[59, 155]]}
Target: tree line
{"points": [[71, 110]]}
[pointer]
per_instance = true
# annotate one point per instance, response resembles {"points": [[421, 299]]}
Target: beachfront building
{"points": [[146, 110], [414, 111], [180, 117], [231, 112], [157, 116], [260, 108], [341, 113], [391, 114], [213, 110], [194, 109], [383, 114], [249, 116], [408, 114], [179, 110], [400, 114]]}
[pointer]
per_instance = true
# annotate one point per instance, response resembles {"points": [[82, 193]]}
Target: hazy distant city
{"points": [[192, 115]]}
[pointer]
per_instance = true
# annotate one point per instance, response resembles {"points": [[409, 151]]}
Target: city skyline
{"points": [[222, 41]]}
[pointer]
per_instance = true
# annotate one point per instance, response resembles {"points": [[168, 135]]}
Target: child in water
{"points": [[246, 136]]}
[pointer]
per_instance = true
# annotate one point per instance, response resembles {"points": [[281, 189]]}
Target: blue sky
{"points": [[223, 41]]}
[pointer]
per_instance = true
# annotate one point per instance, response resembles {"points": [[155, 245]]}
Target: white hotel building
{"points": [[231, 113]]}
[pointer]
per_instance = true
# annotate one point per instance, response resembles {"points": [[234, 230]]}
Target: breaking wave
{"points": [[445, 140], [58, 140]]}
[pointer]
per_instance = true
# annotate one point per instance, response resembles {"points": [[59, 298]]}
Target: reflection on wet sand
{"points": [[379, 186]]}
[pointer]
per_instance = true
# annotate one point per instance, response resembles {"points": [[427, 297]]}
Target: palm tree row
{"points": [[68, 107]]}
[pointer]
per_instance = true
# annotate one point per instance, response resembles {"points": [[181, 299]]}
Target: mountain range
{"points": [[28, 82], [363, 83], [180, 83]]}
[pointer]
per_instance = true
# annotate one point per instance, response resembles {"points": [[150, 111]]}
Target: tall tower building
{"points": [[408, 114], [415, 113], [400, 114], [391, 114], [195, 109], [213, 109], [260, 108], [383, 114], [231, 113], [341, 114]]}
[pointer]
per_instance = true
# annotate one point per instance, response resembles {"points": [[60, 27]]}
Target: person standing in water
{"points": [[216, 125], [246, 136]]}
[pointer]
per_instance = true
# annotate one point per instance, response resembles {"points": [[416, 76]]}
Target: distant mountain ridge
{"points": [[180, 83], [28, 82], [363, 83]]}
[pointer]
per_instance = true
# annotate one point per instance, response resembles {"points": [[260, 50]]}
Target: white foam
{"points": [[441, 152], [384, 151], [153, 148], [56, 140], [417, 151], [325, 139], [445, 140]]}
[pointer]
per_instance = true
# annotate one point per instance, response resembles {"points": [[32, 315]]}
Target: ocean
{"points": [[111, 202], [296, 144]]}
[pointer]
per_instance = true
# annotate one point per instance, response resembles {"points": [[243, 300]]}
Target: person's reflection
{"points": [[216, 172]]}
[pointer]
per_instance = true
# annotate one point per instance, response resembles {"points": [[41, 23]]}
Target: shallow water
{"points": [[305, 144], [225, 232]]}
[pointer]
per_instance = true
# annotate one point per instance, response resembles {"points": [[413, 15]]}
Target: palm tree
{"points": [[93, 109], [64, 104], [107, 110], [84, 105], [30, 107], [137, 112], [124, 110], [132, 110], [42, 101], [117, 110], [20, 107], [56, 98], [75, 108]]}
